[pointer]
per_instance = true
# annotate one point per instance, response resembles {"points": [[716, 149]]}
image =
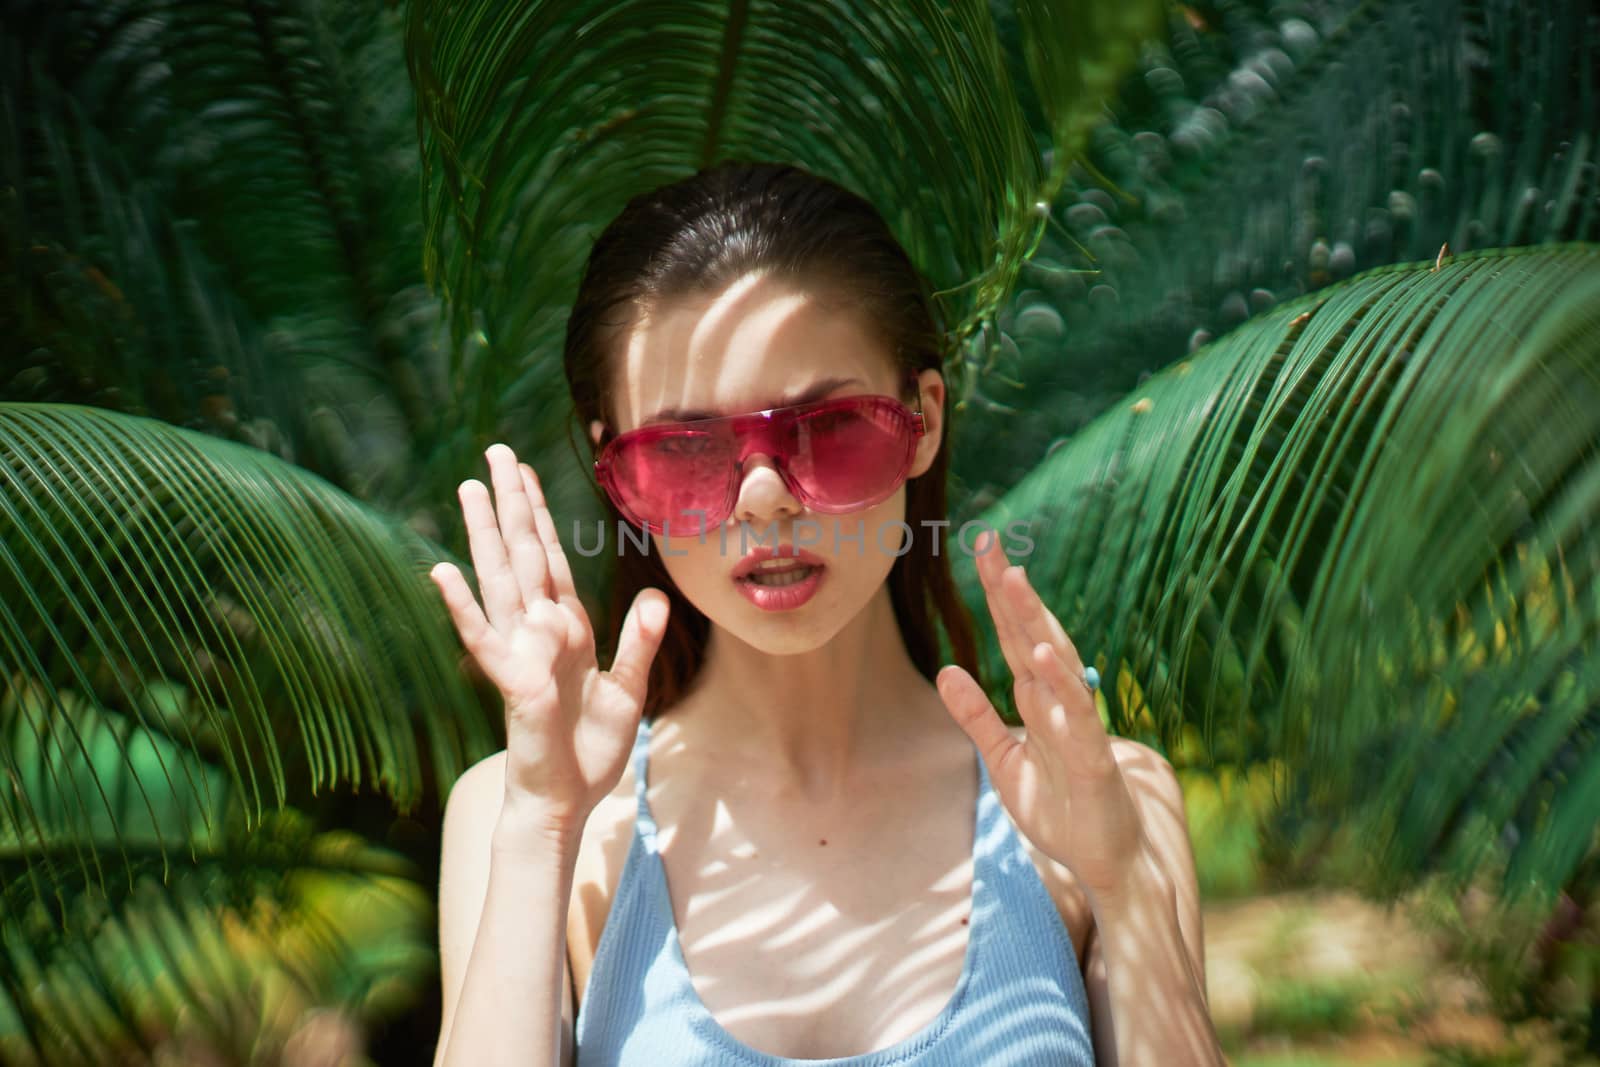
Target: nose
{"points": [[763, 495]]}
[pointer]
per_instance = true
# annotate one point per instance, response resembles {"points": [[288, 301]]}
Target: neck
{"points": [[813, 722]]}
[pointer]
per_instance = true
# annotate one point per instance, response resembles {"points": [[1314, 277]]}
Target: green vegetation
{"points": [[1318, 497]]}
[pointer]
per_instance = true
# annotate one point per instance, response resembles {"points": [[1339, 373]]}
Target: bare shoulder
{"points": [[1159, 797], [1158, 794], [1148, 773], [474, 804], [470, 812], [479, 784]]}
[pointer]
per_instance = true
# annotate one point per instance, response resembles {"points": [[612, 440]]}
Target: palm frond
{"points": [[107, 296], [1263, 151], [239, 184], [540, 120], [1360, 534], [218, 598]]}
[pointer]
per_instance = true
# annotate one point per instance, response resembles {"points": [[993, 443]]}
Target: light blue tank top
{"points": [[1020, 1000]]}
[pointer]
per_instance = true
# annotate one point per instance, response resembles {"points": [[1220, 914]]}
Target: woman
{"points": [[776, 830]]}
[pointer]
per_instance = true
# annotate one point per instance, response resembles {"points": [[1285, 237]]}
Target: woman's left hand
{"points": [[1061, 782]]}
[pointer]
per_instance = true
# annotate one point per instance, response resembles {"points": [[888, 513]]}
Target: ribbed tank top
{"points": [[1020, 1000]]}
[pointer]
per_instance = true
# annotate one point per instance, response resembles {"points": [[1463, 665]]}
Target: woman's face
{"points": [[763, 343]]}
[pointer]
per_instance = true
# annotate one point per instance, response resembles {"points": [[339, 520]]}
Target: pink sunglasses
{"points": [[836, 456]]}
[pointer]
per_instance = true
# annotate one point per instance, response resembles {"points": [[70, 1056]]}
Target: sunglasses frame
{"points": [[738, 425]]}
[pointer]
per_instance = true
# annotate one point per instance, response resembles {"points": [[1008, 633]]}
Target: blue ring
{"points": [[1091, 678]]}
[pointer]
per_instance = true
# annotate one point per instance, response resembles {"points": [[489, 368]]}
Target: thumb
{"points": [[642, 632], [972, 710]]}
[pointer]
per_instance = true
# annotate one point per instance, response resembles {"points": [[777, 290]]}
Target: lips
{"points": [[786, 553]]}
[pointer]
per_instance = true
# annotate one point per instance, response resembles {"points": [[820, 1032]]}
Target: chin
{"points": [[779, 640]]}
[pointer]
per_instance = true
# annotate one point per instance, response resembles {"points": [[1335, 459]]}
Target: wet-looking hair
{"points": [[697, 236]]}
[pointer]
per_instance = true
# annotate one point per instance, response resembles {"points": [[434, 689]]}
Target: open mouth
{"points": [[781, 586], [778, 577]]}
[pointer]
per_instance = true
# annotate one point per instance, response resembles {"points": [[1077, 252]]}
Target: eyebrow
{"points": [[816, 391]]}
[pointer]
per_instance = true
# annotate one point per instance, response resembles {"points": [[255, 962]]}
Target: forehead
{"points": [[743, 349]]}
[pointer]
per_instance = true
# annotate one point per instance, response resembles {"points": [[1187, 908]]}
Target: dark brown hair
{"points": [[699, 235]]}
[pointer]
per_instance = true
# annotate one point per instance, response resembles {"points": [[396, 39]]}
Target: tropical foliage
{"points": [[1272, 562], [1350, 526]]}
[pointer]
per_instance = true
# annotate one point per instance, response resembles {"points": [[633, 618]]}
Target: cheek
{"points": [[888, 534], [689, 563], [866, 544]]}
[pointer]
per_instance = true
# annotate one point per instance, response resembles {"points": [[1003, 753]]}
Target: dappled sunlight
{"points": [[1271, 328], [879, 954]]}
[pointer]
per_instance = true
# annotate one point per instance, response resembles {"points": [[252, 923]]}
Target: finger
{"points": [[537, 646], [477, 636], [642, 630], [502, 600], [991, 564], [1035, 620], [559, 584], [967, 703], [1032, 693], [1074, 707], [559, 569], [523, 546]]}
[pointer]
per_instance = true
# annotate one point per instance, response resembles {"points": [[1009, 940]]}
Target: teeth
{"points": [[787, 577], [778, 563]]}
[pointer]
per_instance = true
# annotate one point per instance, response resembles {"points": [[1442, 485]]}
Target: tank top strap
{"points": [[641, 761], [989, 846], [640, 1005]]}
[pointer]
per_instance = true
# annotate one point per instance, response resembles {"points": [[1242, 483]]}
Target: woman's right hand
{"points": [[569, 725]]}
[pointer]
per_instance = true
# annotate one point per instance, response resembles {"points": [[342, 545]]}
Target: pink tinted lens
{"points": [[675, 476], [848, 458], [839, 456]]}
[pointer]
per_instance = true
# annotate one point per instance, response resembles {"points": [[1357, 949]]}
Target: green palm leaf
{"points": [[1360, 534], [208, 215], [1361, 539], [221, 599], [1263, 151], [542, 119]]}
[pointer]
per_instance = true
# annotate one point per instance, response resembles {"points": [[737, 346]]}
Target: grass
{"points": [[1300, 1008], [1455, 1056], [1389, 1001], [1320, 1059]]}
